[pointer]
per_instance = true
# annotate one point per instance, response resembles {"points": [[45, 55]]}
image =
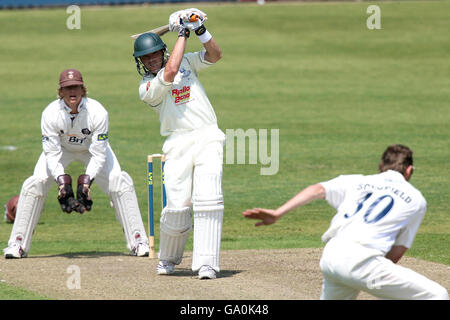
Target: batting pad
{"points": [[175, 225], [29, 209], [207, 236], [125, 203], [207, 194]]}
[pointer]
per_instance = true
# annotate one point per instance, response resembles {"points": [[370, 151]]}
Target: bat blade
{"points": [[160, 31]]}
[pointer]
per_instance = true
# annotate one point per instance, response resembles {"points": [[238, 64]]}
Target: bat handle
{"points": [[193, 18]]}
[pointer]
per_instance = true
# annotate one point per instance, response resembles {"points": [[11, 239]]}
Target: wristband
{"points": [[204, 37], [200, 30]]}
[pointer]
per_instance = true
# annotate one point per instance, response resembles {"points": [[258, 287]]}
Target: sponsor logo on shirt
{"points": [[148, 86], [75, 140], [185, 73], [44, 138], [182, 95], [103, 136], [86, 131]]}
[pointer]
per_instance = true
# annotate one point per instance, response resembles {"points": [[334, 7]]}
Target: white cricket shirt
{"points": [[377, 211], [86, 131], [183, 104]]}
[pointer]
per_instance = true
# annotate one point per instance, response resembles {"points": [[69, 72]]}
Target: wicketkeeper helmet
{"points": [[148, 43]]}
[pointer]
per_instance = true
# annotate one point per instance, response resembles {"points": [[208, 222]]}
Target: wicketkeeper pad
{"points": [[29, 209], [125, 203]]}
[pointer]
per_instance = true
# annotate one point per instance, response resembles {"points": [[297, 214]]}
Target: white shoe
{"points": [[141, 250], [206, 272], [165, 267], [14, 251]]}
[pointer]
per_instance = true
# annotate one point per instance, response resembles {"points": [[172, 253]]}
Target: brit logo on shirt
{"points": [[75, 140]]}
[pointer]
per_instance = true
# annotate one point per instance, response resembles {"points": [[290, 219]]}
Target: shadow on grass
{"points": [[185, 272], [83, 254], [179, 272]]}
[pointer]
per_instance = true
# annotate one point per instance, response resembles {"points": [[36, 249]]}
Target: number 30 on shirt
{"points": [[383, 204]]}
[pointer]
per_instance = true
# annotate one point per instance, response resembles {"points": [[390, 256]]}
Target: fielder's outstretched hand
{"points": [[267, 216]]}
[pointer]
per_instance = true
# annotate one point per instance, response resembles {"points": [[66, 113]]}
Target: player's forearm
{"points": [[53, 164], [98, 150], [96, 164], [52, 151], [307, 195], [213, 52], [396, 253], [174, 62]]}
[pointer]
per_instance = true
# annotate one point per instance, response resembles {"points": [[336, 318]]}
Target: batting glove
{"points": [[193, 18], [175, 20], [183, 32]]}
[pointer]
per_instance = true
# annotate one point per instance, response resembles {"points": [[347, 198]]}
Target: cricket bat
{"points": [[160, 31]]}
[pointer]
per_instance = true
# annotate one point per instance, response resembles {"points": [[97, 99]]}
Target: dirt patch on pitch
{"points": [[289, 274]]}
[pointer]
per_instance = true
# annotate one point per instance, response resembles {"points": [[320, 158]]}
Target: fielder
{"points": [[75, 128], [376, 222], [194, 144]]}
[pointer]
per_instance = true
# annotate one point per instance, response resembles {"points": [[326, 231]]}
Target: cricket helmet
{"points": [[148, 43]]}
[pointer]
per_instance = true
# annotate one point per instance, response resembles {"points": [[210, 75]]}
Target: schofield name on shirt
{"points": [[402, 195], [181, 95]]}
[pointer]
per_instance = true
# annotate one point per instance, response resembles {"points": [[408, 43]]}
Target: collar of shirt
{"points": [[80, 107], [394, 175]]}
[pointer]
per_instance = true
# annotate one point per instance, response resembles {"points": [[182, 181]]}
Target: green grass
{"points": [[338, 92], [8, 292]]}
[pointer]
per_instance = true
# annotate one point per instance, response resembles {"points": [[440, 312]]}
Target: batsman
{"points": [[194, 143]]}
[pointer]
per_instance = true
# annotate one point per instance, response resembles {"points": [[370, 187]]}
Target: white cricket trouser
{"points": [[109, 179], [193, 176], [349, 268]]}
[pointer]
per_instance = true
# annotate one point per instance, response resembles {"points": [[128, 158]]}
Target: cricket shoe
{"points": [[165, 267], [14, 251], [141, 250], [206, 272]]}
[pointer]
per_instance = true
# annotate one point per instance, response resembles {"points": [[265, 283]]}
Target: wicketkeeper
{"points": [[75, 128], [194, 144]]}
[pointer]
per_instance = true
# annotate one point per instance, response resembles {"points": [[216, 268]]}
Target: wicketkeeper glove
{"points": [[84, 193], [65, 194]]}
